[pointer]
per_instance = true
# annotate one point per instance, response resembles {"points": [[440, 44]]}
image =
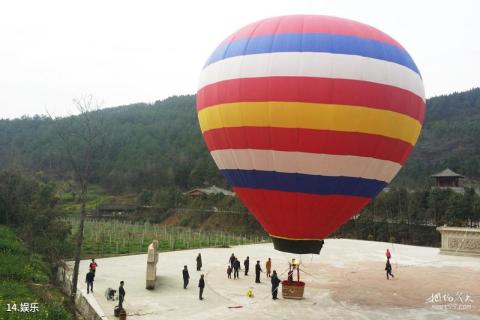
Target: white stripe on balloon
{"points": [[313, 64], [306, 163]]}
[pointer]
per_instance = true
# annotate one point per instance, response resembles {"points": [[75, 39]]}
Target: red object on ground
{"points": [[293, 283]]}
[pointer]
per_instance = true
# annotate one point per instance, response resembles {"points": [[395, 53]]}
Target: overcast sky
{"points": [[142, 51]]}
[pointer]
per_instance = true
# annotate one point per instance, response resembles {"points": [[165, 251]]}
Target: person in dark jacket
{"points": [[291, 270], [290, 274], [201, 286], [236, 267], [121, 295], [388, 268], [275, 283], [229, 272], [89, 280], [246, 264], [199, 262], [258, 269], [232, 260], [186, 277]]}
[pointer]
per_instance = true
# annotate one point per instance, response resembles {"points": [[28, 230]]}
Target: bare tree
{"points": [[82, 138]]}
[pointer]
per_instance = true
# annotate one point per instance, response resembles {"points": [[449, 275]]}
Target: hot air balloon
{"points": [[308, 118]]}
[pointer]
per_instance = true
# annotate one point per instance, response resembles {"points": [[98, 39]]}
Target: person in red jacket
{"points": [[93, 266], [388, 254]]}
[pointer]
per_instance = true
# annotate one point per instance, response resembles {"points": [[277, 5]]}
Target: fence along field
{"points": [[113, 237]]}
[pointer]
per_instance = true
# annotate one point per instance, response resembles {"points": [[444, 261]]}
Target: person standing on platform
{"points": [[199, 262], [258, 269], [186, 277], [246, 264], [236, 268], [232, 260], [89, 280], [121, 295], [201, 286], [93, 266], [275, 283], [268, 266]]}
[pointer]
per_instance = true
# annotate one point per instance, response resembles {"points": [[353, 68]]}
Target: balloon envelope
{"points": [[308, 118]]}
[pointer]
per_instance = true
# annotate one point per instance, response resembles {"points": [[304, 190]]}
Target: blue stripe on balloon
{"points": [[314, 42], [304, 183]]}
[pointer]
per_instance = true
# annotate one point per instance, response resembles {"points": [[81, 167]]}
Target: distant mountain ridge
{"points": [[159, 145]]}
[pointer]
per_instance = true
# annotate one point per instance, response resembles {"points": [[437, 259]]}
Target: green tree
{"points": [[30, 205], [475, 216], [82, 139], [438, 200]]}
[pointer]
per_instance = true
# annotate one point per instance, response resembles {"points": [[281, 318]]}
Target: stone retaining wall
{"points": [[460, 241], [87, 311]]}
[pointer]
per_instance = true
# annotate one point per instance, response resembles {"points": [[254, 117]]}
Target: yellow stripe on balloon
{"points": [[311, 116]]}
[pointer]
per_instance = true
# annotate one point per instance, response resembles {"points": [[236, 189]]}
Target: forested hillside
{"points": [[450, 138], [156, 146], [147, 147]]}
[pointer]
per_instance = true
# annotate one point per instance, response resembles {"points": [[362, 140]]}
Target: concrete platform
{"points": [[346, 281]]}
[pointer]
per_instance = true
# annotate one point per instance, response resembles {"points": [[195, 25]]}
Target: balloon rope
{"points": [[311, 275]]}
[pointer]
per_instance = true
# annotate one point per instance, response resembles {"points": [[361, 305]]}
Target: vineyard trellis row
{"points": [[112, 237]]}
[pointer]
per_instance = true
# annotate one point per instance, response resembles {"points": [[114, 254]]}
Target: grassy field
{"points": [[114, 237], [24, 279]]}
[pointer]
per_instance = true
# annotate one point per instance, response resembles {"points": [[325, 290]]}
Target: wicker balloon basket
{"points": [[293, 289]]}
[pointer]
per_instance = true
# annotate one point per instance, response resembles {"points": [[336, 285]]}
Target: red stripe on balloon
{"points": [[313, 90], [308, 140], [298, 215], [311, 24]]}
